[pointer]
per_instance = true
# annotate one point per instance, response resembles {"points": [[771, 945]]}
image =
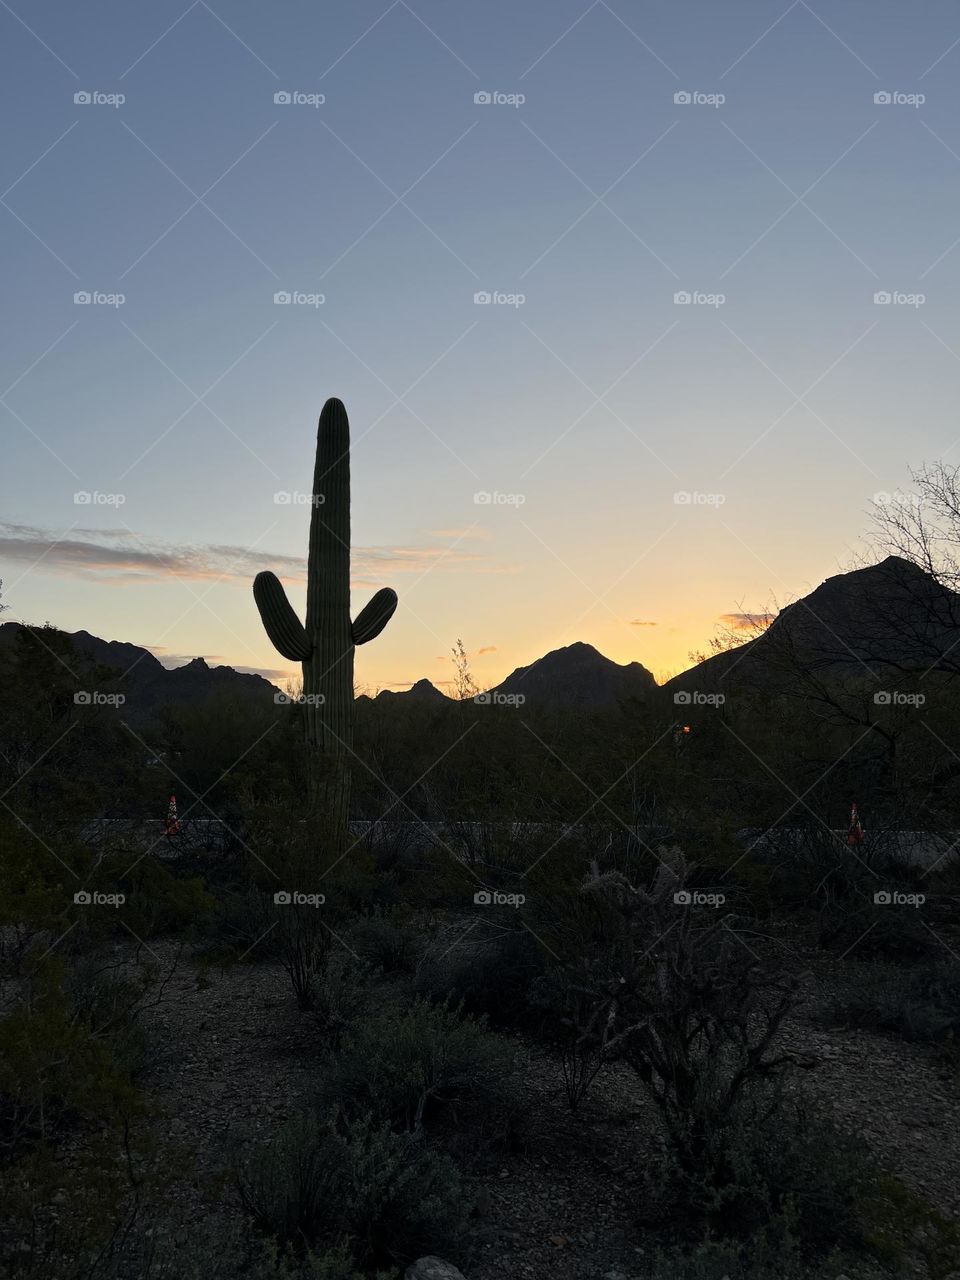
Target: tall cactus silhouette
{"points": [[325, 644]]}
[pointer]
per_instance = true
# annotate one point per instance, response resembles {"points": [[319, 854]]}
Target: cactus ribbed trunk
{"points": [[325, 645], [328, 672]]}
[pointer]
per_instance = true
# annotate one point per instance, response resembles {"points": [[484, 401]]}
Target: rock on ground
{"points": [[432, 1269]]}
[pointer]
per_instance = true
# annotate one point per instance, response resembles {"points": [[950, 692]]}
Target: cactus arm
{"points": [[371, 620], [279, 619]]}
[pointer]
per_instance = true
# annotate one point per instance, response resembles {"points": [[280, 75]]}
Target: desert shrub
{"points": [[786, 1189], [814, 869], [783, 1176], [353, 1182], [867, 929], [666, 986], [109, 998], [346, 992], [66, 1052], [159, 901], [921, 1005], [303, 941], [488, 971], [257, 925], [424, 1065], [387, 942], [70, 1044], [235, 926], [150, 1244], [568, 1013]]}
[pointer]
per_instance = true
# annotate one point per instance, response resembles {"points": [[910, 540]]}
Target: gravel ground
{"points": [[236, 1058]]}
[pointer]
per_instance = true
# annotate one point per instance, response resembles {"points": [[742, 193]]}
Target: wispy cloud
{"points": [[488, 648], [746, 621], [122, 555]]}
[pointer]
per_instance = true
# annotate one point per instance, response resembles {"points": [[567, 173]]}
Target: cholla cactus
{"points": [[325, 644]]}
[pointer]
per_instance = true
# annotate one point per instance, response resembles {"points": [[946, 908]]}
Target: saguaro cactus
{"points": [[326, 643]]}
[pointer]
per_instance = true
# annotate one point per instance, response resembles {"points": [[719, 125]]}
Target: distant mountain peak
{"points": [[578, 675], [891, 615], [147, 683], [421, 691]]}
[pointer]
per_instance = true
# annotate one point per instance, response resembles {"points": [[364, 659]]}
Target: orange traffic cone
{"points": [[172, 825], [855, 830]]}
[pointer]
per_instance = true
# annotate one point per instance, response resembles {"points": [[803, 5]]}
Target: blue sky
{"points": [[782, 197]]}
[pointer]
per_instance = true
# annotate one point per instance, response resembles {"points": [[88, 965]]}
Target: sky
{"points": [[635, 308]]}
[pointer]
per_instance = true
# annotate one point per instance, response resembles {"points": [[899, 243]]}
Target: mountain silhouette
{"points": [[577, 676], [146, 682], [884, 619], [422, 691]]}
